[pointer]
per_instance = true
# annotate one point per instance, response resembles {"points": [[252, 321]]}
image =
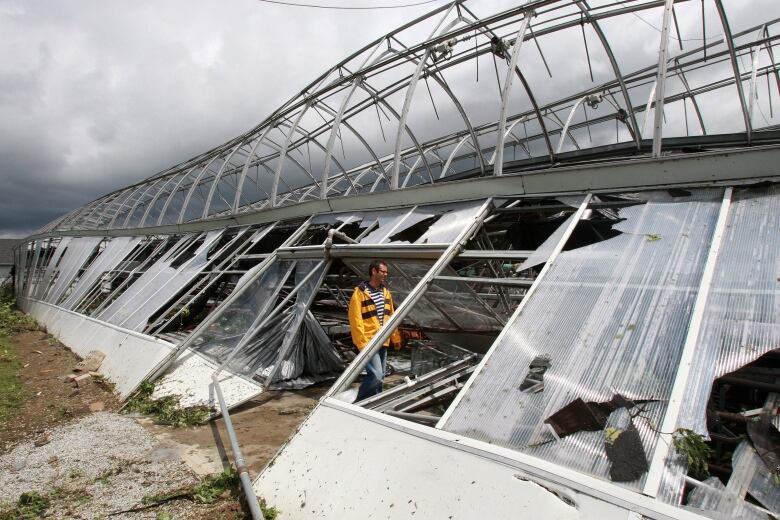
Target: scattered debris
{"points": [[534, 380], [579, 415], [90, 363], [624, 449], [165, 410]]}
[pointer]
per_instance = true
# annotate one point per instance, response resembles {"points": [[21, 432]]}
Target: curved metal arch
{"points": [[334, 131], [135, 189], [192, 189], [283, 153], [141, 198], [173, 193], [222, 170], [171, 179], [737, 76], [84, 213], [583, 6], [417, 163], [410, 94], [245, 169]]}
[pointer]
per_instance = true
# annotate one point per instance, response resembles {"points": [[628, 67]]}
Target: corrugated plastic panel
{"points": [[612, 317], [78, 251], [742, 317], [43, 287], [161, 282], [115, 251]]}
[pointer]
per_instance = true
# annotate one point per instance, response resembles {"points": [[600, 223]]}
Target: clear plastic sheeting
{"points": [[741, 319], [54, 260], [712, 496], [115, 251], [446, 305], [73, 258], [242, 316], [252, 345], [612, 318], [161, 282], [34, 275]]}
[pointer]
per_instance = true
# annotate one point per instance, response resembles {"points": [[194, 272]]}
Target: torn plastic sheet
{"points": [[115, 251], [54, 260], [612, 317], [543, 252], [707, 499], [78, 251], [391, 222], [242, 316], [33, 276], [161, 282], [741, 319], [311, 355]]}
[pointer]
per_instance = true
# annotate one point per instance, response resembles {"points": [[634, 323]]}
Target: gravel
{"points": [[102, 463]]}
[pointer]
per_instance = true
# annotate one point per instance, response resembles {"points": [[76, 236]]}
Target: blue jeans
{"points": [[375, 374]]}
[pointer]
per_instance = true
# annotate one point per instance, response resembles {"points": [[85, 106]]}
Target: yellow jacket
{"points": [[363, 319]]}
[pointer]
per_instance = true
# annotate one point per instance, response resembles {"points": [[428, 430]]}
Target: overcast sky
{"points": [[95, 95]]}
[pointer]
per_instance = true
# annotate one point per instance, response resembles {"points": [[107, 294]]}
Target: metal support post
{"points": [[660, 79], [498, 165]]}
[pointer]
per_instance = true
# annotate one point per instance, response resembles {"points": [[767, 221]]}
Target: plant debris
{"points": [[30, 505], [165, 410], [692, 445]]}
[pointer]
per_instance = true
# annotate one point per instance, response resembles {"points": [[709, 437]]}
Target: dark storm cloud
{"points": [[98, 95]]}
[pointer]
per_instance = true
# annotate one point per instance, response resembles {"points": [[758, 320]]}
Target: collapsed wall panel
{"points": [[612, 318], [158, 284]]}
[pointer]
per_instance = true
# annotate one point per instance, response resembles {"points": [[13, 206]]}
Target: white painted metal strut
{"points": [[660, 80], [498, 164], [677, 396]]}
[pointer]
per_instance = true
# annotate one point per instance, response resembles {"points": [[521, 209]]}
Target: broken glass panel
{"points": [[612, 318], [161, 282], [115, 251]]}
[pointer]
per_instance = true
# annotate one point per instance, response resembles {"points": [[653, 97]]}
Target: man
{"points": [[371, 305]]}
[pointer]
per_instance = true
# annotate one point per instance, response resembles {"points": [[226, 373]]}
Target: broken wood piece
{"points": [[38, 352], [79, 380], [97, 406], [90, 363]]}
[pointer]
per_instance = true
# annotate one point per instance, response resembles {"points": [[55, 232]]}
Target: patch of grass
{"points": [[693, 446], [70, 495], [270, 513], [30, 505], [165, 410], [207, 491], [11, 390], [11, 320]]}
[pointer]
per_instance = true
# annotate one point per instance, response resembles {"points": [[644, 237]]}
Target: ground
{"points": [[70, 445]]}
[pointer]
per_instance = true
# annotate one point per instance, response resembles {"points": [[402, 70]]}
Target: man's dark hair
{"points": [[375, 265]]}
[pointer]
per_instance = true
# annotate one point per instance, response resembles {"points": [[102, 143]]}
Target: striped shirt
{"points": [[378, 295]]}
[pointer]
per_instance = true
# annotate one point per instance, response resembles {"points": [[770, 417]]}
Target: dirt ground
{"points": [[55, 409]]}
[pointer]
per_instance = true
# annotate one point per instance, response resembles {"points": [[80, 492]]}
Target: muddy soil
{"points": [[50, 401], [53, 406]]}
